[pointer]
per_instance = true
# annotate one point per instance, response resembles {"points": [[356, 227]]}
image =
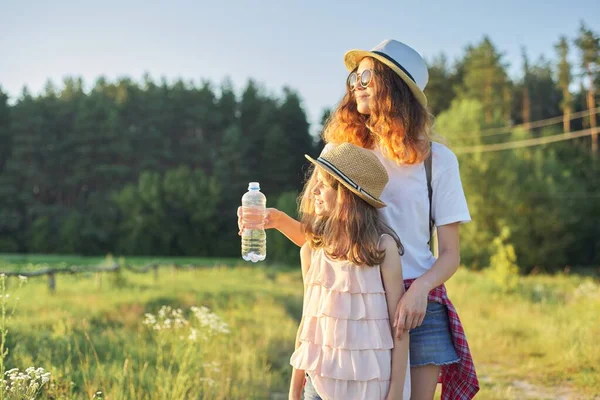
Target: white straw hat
{"points": [[402, 59]]}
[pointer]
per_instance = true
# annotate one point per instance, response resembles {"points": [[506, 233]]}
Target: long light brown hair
{"points": [[353, 229], [398, 123]]}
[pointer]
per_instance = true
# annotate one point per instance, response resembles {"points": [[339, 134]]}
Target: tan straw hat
{"points": [[356, 168], [400, 58]]}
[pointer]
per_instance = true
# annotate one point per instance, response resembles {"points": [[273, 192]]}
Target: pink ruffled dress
{"points": [[346, 339]]}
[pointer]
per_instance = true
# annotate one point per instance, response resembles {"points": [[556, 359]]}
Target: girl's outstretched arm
{"points": [[279, 220]]}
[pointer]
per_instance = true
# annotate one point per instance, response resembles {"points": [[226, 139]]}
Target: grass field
{"points": [[93, 334]]}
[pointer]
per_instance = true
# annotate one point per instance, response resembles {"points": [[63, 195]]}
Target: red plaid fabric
{"points": [[459, 380]]}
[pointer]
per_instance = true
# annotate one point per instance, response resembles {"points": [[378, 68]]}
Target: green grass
{"points": [[91, 332], [544, 333], [93, 335]]}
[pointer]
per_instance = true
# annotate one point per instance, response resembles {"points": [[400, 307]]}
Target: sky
{"points": [[277, 43]]}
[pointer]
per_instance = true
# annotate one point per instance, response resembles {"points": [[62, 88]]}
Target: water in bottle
{"points": [[254, 237]]}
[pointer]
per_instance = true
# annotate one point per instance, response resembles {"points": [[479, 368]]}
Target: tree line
{"points": [[158, 168]]}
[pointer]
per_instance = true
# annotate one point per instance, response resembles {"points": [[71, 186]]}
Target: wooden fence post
{"points": [[98, 272], [51, 282]]}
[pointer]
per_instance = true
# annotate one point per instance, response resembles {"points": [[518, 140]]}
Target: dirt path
{"points": [[518, 390], [522, 389]]}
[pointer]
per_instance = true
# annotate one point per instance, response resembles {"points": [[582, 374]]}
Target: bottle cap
{"points": [[254, 186]]}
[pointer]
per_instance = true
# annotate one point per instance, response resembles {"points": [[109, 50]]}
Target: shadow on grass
{"points": [[292, 306]]}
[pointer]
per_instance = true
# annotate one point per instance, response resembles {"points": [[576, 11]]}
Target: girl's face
{"points": [[324, 195], [364, 95]]}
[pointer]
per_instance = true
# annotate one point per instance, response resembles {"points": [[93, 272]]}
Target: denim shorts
{"points": [[310, 393], [431, 343]]}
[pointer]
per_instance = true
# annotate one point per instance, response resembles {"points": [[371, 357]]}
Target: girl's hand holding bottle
{"points": [[271, 219]]}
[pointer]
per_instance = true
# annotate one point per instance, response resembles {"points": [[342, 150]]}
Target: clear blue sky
{"points": [[276, 42]]}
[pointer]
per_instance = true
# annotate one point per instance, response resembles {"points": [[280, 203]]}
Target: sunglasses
{"points": [[364, 78]]}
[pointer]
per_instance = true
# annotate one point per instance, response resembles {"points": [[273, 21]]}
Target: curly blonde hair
{"points": [[398, 124]]}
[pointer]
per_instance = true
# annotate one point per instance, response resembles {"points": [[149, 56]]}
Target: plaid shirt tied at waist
{"points": [[459, 380]]}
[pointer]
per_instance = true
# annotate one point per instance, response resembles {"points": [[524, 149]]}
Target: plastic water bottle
{"points": [[254, 237]]}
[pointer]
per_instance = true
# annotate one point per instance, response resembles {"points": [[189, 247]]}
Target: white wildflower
{"points": [[167, 319], [26, 384], [587, 290], [213, 366], [164, 311], [210, 381], [209, 320], [150, 319]]}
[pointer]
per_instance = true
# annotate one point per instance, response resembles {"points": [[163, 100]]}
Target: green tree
{"points": [[294, 126], [460, 125], [485, 79], [503, 268], [538, 193], [10, 216], [140, 216], [526, 111], [5, 132], [319, 142], [23, 169], [190, 201], [170, 214], [231, 172], [544, 90], [564, 81], [588, 43], [440, 88], [279, 248]]}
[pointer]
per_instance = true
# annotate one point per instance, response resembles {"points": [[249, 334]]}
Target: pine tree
{"points": [[485, 79], [588, 43], [526, 113], [564, 81]]}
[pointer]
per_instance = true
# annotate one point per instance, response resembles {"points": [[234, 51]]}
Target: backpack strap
{"points": [[428, 162]]}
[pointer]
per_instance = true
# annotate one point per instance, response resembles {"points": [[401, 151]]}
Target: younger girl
{"points": [[352, 282]]}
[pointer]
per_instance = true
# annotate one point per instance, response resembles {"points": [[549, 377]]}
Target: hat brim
{"points": [[353, 57], [374, 202]]}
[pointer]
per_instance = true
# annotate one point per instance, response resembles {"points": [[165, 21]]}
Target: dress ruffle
{"points": [[342, 364], [345, 277], [347, 334], [334, 389], [356, 306], [349, 390], [346, 339]]}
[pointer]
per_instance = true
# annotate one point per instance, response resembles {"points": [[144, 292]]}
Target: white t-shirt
{"points": [[407, 211]]}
